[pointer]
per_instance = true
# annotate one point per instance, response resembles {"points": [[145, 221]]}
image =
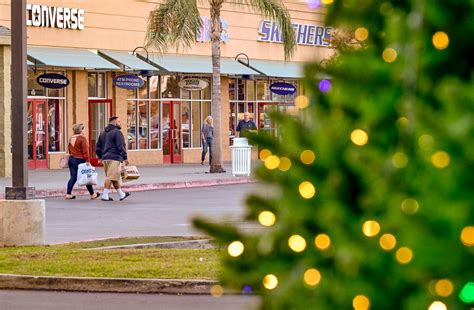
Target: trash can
{"points": [[241, 157]]}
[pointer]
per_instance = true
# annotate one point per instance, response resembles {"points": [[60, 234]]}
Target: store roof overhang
{"points": [[281, 69], [127, 61], [197, 65], [68, 58]]}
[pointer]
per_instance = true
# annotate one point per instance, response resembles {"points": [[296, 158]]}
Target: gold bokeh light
{"points": [[399, 160], [312, 277], [371, 228], [444, 287], [359, 137], [322, 242], [361, 302], [266, 218], [404, 255], [307, 190], [297, 243], [389, 55], [270, 281], [440, 40], [467, 236], [235, 249], [361, 33], [264, 154], [272, 162], [217, 291], [285, 164], [302, 102], [387, 242], [307, 157], [440, 159], [410, 206], [437, 305]]}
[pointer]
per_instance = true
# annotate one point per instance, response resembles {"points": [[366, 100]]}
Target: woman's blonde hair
{"points": [[77, 128], [209, 119]]}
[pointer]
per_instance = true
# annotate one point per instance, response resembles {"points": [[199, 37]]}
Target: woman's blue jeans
{"points": [[207, 143], [73, 165]]}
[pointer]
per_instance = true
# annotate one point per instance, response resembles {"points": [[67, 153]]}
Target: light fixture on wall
{"points": [[246, 63]]}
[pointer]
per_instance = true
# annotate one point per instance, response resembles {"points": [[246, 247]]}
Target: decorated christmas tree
{"points": [[374, 199]]}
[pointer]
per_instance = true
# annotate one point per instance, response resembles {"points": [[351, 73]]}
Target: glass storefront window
{"points": [[155, 125], [34, 89], [96, 84], [169, 86], [250, 86], [232, 89], [154, 87], [143, 91], [101, 85], [240, 90], [262, 90], [55, 125], [143, 125], [186, 123], [131, 125], [92, 83], [196, 124]]}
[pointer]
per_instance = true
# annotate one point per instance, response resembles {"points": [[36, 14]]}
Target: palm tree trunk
{"points": [[216, 30]]}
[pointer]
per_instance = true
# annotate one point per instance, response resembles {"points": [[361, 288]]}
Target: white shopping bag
{"points": [[86, 175]]}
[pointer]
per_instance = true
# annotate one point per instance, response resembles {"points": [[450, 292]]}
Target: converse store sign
{"points": [[54, 17]]}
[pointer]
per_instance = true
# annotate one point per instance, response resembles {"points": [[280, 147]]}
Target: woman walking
{"points": [[78, 148], [207, 136]]}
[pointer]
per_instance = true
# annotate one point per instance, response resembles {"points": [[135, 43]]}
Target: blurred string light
{"points": [[307, 157], [285, 164], [437, 305], [327, 1], [324, 85], [370, 228], [360, 302], [404, 255], [247, 289], [217, 291], [322, 242], [235, 249], [266, 218], [297, 243], [389, 55], [426, 141], [467, 293], [403, 122], [399, 160], [270, 281], [467, 236], [387, 242], [410, 206], [272, 162], [359, 137], [302, 102], [444, 287], [307, 190], [440, 159], [264, 154], [312, 277], [313, 4], [440, 40], [361, 33]]}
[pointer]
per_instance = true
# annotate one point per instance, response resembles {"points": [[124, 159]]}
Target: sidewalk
{"points": [[52, 183]]}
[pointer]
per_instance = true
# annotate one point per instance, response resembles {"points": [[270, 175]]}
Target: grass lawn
{"points": [[72, 260]]}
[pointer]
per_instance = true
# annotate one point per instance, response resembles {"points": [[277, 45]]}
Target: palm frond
{"points": [[276, 11], [175, 23]]}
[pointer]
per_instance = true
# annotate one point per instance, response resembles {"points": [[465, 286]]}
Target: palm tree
{"points": [[175, 23]]}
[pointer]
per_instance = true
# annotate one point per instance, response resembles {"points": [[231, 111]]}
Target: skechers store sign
{"points": [[305, 34], [128, 81], [54, 17]]}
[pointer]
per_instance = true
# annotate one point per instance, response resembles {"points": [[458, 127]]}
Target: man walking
{"points": [[110, 148], [246, 125]]}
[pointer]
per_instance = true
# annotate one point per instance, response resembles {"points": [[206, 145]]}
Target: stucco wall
{"points": [[5, 102]]}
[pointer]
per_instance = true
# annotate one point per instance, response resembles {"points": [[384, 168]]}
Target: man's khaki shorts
{"points": [[112, 170]]}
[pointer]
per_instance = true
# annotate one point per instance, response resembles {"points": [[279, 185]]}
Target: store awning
{"points": [[69, 58], [127, 61], [198, 64], [281, 69]]}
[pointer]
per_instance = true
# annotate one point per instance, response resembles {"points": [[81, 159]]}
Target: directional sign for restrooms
{"points": [[128, 81]]}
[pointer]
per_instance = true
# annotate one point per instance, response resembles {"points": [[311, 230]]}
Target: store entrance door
{"points": [[99, 112], [171, 133], [37, 134], [265, 123]]}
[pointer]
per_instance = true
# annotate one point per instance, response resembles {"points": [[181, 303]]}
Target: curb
{"points": [[106, 285], [45, 193], [190, 244]]}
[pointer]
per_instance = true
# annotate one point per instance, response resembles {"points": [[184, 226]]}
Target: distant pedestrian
{"points": [[110, 148], [78, 149], [207, 136], [246, 125]]}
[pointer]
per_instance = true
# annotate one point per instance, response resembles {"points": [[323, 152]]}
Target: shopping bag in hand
{"points": [[86, 175], [130, 173]]}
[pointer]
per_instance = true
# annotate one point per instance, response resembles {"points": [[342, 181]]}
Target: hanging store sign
{"points": [[305, 34], [52, 80], [192, 84], [283, 89], [54, 17], [128, 81]]}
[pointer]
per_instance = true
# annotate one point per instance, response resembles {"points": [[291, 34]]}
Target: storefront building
{"points": [[161, 99]]}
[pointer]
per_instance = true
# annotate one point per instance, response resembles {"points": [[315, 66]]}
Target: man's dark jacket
{"points": [[111, 144]]}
